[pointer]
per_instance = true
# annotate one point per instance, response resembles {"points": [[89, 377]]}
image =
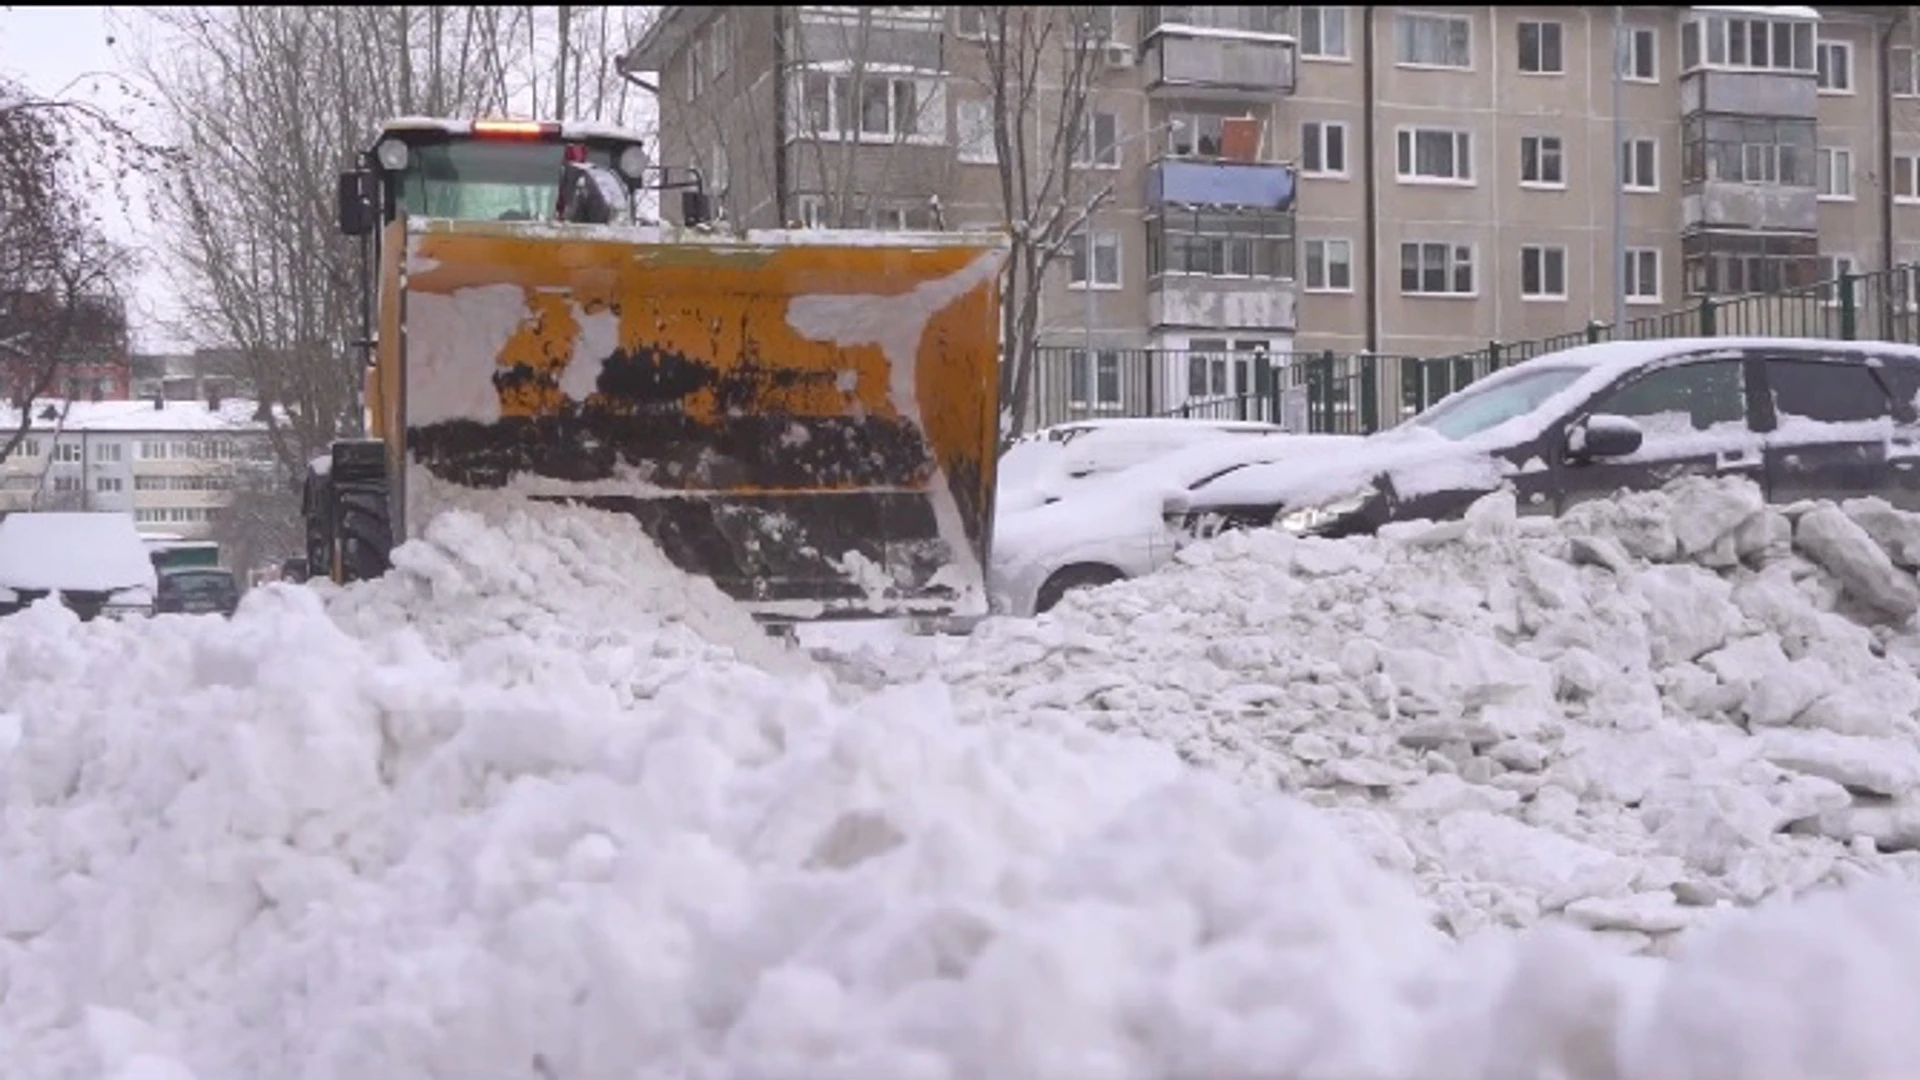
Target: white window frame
{"points": [[1903, 59], [1403, 19], [1326, 245], [1103, 239], [1630, 159], [1717, 28], [109, 484], [972, 120], [1087, 151], [1911, 162], [68, 452], [1844, 49], [1314, 132], [1627, 49], [1633, 285], [1406, 159], [1832, 267], [1540, 155], [929, 110], [1455, 256], [1827, 162], [1543, 256], [107, 452], [1094, 400], [1540, 46], [1318, 43]]}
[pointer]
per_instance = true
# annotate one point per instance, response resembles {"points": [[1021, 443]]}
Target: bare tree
{"points": [[59, 302], [271, 102], [1040, 66], [262, 518]]}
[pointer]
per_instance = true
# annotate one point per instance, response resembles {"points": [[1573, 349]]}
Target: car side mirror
{"points": [[695, 208], [357, 190], [1603, 436]]}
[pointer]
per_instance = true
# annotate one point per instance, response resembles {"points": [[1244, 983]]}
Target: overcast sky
{"points": [[48, 49]]}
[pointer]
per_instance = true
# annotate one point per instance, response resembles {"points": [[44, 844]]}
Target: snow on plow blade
{"points": [[808, 419]]}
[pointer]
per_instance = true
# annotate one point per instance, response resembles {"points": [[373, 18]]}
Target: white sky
{"points": [[47, 49]]}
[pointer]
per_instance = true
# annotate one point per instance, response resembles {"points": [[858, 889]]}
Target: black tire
{"points": [[1067, 579], [316, 507], [363, 530]]}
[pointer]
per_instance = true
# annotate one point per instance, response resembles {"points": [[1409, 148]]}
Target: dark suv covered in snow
{"points": [[1803, 418]]}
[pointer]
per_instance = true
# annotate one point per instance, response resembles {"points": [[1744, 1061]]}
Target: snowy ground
{"points": [[1465, 801]]}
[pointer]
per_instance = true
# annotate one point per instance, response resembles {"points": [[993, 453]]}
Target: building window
{"points": [[1746, 42], [1900, 72], [1748, 151], [153, 451], [1211, 244], [1433, 41], [1329, 266], [30, 448], [106, 483], [107, 452], [1543, 272], [1637, 56], [838, 106], [1106, 260], [1436, 269], [1641, 276], [1323, 148], [1323, 33], [970, 21], [1834, 70], [1540, 48], [1541, 161], [1906, 177], [66, 483], [1099, 143], [1194, 135], [1207, 371], [1727, 263], [974, 123], [1832, 269], [68, 452], [1836, 173], [1434, 154], [1095, 384], [1640, 165]]}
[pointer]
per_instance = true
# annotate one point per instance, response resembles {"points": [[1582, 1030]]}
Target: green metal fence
{"points": [[1363, 393]]}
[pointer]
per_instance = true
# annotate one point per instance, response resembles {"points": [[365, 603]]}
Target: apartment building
{"points": [[173, 465], [1397, 180]]}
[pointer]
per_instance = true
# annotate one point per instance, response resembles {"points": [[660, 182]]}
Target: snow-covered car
{"points": [[1802, 418], [1108, 528], [95, 563], [1043, 465]]}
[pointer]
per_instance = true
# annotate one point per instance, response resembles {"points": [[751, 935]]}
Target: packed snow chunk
{"points": [[1896, 531], [1845, 550]]}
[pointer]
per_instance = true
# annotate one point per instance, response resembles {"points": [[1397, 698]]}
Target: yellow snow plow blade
{"points": [[808, 419]]}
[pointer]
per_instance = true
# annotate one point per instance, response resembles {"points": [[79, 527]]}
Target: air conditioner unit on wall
{"points": [[1119, 56]]}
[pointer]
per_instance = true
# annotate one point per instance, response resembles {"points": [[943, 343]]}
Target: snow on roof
{"points": [[90, 551], [137, 416], [1772, 12]]}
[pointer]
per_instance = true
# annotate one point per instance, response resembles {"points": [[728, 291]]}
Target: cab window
{"points": [[1681, 399]]}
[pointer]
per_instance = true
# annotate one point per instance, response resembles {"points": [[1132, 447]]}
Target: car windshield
{"points": [[1478, 409], [198, 584]]}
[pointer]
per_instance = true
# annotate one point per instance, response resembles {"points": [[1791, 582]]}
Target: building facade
{"points": [[80, 352], [1394, 180], [172, 465]]}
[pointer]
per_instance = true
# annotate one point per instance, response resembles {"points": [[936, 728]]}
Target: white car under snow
{"points": [[1109, 528], [1046, 464]]}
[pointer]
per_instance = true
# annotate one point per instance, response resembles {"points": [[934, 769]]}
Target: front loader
{"points": [[808, 418]]}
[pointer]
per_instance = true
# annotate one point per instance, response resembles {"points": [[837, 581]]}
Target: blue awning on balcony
{"points": [[1263, 185]]}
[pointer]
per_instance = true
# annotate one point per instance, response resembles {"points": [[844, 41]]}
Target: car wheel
{"points": [[1066, 580]]}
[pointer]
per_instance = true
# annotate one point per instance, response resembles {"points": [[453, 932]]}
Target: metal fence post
{"points": [[1326, 410], [1849, 308], [1596, 331], [1709, 324], [1493, 358], [1369, 394]]}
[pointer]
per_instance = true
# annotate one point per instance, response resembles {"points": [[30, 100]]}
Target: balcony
{"points": [[1218, 51], [1220, 303], [1243, 184]]}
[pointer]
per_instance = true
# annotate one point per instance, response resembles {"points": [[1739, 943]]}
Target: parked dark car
{"points": [[197, 592], [1803, 418]]}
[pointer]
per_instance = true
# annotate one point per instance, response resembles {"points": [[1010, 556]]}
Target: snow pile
{"points": [[523, 809], [1622, 718]]}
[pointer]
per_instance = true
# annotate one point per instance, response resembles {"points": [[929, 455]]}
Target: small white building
{"points": [[171, 464]]}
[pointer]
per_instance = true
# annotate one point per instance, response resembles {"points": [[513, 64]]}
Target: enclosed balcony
{"points": [[1253, 185], [1231, 51]]}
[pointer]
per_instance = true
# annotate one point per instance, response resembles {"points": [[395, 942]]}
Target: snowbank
{"points": [[527, 809]]}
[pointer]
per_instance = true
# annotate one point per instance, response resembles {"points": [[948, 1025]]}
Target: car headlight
{"points": [[1306, 519]]}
